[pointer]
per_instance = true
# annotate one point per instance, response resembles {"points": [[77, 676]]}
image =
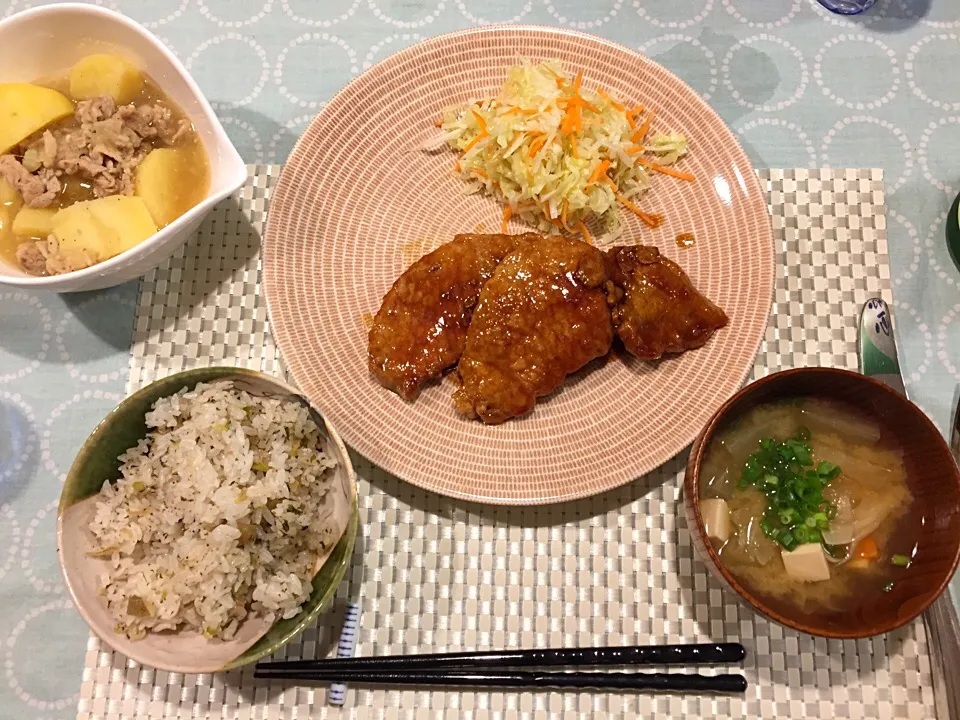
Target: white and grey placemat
{"points": [[433, 574]]}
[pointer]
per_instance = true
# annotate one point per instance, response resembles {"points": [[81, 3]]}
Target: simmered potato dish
{"points": [[91, 164]]}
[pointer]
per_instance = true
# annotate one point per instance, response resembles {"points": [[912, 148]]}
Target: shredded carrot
{"points": [[572, 119], [631, 115], [563, 216], [641, 133], [473, 142], [573, 115], [561, 81], [867, 549], [537, 144], [481, 122], [635, 149], [480, 136], [479, 171], [603, 93], [651, 220], [438, 123], [507, 212], [515, 110], [666, 170], [456, 166], [552, 220], [599, 171], [587, 237]]}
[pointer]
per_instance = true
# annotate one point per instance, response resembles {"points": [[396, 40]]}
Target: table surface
{"points": [[801, 88]]}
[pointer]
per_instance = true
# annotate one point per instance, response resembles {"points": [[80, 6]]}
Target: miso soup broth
{"points": [[807, 503]]}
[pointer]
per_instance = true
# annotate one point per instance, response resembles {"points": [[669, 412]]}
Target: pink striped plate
{"points": [[357, 202]]}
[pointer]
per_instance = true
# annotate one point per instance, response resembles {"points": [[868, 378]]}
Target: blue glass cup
{"points": [[847, 7]]}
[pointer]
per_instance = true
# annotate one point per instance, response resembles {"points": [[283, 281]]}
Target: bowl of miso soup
{"points": [[110, 156], [827, 501]]}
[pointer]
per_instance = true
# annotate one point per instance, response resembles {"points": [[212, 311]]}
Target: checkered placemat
{"points": [[433, 574]]}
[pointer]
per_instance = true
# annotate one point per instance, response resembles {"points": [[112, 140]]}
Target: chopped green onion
{"points": [[803, 453], [802, 534], [752, 469], [900, 561], [786, 538], [827, 470], [785, 472]]}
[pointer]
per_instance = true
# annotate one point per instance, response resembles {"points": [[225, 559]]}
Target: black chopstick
{"points": [[661, 682], [692, 654]]}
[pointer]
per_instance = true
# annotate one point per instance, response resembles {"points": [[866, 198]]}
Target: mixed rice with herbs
{"points": [[221, 513]]}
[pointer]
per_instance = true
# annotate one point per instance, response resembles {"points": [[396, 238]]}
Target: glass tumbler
{"points": [[847, 7]]}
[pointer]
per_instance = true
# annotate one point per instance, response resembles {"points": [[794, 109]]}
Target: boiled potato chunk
{"points": [[34, 222], [128, 216], [25, 109], [6, 221], [105, 227], [80, 232], [111, 75], [163, 181], [9, 197]]}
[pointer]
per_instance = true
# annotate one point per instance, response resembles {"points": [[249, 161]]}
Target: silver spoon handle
{"points": [[877, 351]]}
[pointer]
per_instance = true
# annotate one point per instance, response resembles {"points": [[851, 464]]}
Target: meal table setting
{"points": [[456, 359]]}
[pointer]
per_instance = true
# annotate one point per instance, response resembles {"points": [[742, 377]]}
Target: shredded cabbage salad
{"points": [[560, 156]]}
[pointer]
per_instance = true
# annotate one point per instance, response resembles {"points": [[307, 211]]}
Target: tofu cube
{"points": [[716, 518], [808, 563]]}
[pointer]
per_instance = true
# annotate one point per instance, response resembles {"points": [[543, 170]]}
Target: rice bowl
{"points": [[215, 531], [219, 512]]}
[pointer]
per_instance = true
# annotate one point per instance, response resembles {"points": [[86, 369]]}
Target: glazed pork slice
{"points": [[660, 311], [421, 327], [543, 315]]}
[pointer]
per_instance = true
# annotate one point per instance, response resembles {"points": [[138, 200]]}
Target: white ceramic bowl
{"points": [[48, 40]]}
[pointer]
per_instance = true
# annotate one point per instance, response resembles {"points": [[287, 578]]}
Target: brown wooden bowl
{"points": [[933, 478]]}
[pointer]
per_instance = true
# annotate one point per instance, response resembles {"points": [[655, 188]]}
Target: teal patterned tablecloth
{"points": [[801, 88]]}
